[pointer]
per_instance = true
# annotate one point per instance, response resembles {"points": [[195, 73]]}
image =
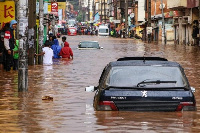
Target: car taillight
{"points": [[186, 106], [107, 105]]}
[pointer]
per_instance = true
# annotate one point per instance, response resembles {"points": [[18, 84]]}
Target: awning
{"points": [[116, 21], [142, 23]]}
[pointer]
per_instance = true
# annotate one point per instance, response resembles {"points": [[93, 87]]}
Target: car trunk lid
{"points": [[148, 100]]}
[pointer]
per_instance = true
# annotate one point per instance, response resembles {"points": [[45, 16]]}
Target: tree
{"points": [[75, 3], [80, 17]]}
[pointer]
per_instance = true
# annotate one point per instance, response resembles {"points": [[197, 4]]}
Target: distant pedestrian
{"points": [[51, 39], [112, 33], [54, 37], [9, 43], [47, 54], [16, 55], [66, 51], [56, 49], [63, 41]]}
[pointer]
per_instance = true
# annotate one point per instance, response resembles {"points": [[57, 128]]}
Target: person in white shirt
{"points": [[47, 53]]}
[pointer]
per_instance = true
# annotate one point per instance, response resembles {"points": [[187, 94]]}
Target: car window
{"points": [[72, 30], [130, 76], [103, 30], [89, 45], [103, 76]]}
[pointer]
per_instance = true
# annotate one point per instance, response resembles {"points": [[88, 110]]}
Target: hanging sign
{"points": [[7, 11], [54, 7], [149, 30]]}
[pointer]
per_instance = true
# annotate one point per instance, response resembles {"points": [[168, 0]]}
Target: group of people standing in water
{"points": [[52, 49]]}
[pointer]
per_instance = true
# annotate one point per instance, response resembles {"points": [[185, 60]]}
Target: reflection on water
{"points": [[71, 109], [148, 122]]}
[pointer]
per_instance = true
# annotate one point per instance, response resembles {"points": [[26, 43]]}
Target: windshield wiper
{"points": [[118, 87], [154, 82]]}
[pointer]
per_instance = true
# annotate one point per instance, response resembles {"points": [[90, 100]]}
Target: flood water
{"points": [[71, 109]]}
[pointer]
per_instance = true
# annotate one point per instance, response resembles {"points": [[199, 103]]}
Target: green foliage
{"points": [[79, 17], [75, 3]]}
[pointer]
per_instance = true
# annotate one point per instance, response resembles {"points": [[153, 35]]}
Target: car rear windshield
{"points": [[131, 76], [103, 30], [89, 45], [72, 30]]}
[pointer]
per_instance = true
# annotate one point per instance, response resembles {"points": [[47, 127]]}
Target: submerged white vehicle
{"points": [[103, 30]]}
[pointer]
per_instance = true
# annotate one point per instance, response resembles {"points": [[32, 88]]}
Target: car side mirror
{"points": [[193, 89], [90, 89]]}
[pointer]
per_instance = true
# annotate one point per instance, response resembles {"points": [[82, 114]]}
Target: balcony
{"points": [[176, 4]]}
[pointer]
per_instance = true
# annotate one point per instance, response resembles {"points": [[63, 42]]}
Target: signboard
{"points": [[37, 7], [7, 11], [116, 21], [149, 30], [61, 5], [60, 14], [54, 7], [132, 15], [45, 8]]}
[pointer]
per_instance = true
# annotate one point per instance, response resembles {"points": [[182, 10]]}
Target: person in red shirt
{"points": [[66, 51], [9, 44]]}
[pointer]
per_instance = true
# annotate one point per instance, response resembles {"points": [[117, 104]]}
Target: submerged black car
{"points": [[143, 84]]}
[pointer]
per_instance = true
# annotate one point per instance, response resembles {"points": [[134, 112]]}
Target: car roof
{"points": [[103, 27], [88, 41], [142, 58], [140, 61]]}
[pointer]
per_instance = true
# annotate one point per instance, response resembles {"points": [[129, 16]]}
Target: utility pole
{"points": [[88, 10], [41, 30], [53, 24], [104, 8], [163, 24], [126, 18], [199, 24], [31, 31], [101, 11], [93, 8], [149, 21], [22, 9], [115, 9]]}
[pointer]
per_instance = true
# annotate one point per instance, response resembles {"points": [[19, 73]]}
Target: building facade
{"points": [[181, 17], [185, 24]]}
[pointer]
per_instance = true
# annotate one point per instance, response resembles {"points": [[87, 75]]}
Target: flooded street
{"points": [[71, 109]]}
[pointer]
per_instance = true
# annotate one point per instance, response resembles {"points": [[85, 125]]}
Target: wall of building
{"points": [[177, 3], [156, 7]]}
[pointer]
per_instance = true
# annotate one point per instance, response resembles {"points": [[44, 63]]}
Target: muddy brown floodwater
{"points": [[71, 109]]}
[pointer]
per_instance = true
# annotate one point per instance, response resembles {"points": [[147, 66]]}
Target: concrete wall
{"points": [[155, 7], [176, 3]]}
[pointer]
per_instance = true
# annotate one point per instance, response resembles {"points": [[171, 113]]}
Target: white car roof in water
{"points": [[103, 26]]}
